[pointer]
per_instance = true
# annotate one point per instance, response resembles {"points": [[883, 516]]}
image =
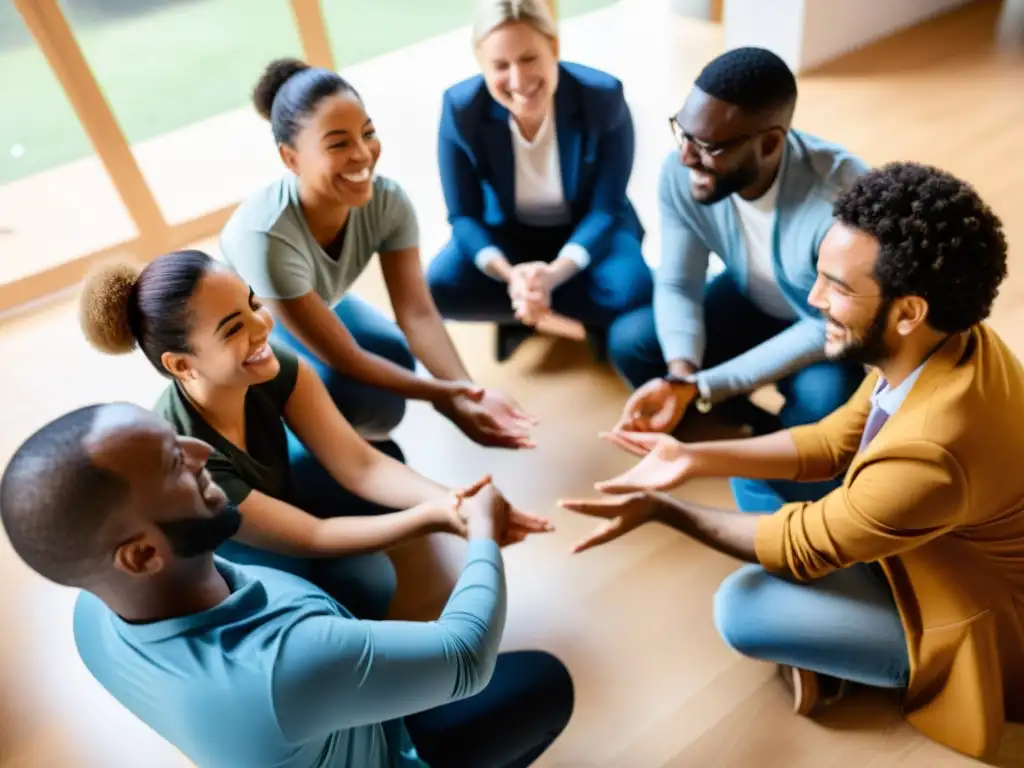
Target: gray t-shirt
{"points": [[268, 243]]}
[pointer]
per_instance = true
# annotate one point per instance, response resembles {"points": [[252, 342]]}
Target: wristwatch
{"points": [[703, 401]]}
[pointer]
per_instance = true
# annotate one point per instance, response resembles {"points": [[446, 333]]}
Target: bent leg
{"points": [[634, 349], [372, 411], [463, 292], [817, 390], [613, 287], [509, 724], [365, 584], [844, 625]]}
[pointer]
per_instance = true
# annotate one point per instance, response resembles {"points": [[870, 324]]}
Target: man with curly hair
{"points": [[910, 574]]}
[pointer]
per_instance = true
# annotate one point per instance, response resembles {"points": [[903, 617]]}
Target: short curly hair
{"points": [[937, 239]]}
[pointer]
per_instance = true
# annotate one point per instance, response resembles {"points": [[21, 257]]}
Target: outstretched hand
{"points": [[665, 463], [490, 419], [657, 406], [622, 514]]}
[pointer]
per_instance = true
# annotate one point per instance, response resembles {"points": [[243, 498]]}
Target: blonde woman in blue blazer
{"points": [[534, 156]]}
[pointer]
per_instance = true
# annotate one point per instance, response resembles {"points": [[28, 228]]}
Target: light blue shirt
{"points": [[281, 675], [814, 172], [890, 400]]}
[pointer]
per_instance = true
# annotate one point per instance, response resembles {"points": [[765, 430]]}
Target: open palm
{"points": [[622, 514], [665, 463]]}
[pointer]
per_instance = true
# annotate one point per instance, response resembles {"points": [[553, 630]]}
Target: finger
{"points": [[593, 507], [602, 535], [646, 440], [472, 391], [529, 521], [616, 439], [472, 490], [631, 482], [665, 419]]}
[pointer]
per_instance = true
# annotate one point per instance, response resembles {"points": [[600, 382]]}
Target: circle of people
{"points": [[230, 543]]}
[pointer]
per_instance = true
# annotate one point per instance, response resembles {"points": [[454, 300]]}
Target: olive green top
{"points": [[264, 467]]}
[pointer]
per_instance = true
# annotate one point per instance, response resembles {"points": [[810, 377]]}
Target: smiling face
{"points": [[172, 510], [725, 149], [859, 319], [336, 151], [228, 336], [520, 67]]}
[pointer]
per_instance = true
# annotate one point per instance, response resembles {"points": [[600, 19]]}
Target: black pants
{"points": [[509, 724]]}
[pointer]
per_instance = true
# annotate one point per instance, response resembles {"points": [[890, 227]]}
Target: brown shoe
{"points": [[811, 691]]}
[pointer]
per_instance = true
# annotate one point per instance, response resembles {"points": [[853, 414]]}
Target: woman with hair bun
{"points": [[302, 241], [316, 499]]}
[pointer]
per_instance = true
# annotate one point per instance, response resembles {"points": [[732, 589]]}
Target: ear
{"points": [[555, 46], [179, 365], [771, 142], [289, 157], [911, 314], [139, 557]]}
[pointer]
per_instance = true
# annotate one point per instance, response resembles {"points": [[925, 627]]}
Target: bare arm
{"points": [[769, 457], [319, 329], [271, 524], [417, 314], [350, 460], [728, 531]]}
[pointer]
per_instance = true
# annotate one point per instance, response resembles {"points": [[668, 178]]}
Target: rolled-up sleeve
{"points": [[897, 501]]}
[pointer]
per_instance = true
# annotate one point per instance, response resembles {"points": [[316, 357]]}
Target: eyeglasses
{"points": [[714, 148]]}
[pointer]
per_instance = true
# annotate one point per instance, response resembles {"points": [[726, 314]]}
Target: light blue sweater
{"points": [[280, 675], [814, 172]]}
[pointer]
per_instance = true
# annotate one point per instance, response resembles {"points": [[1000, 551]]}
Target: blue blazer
{"points": [[595, 146]]}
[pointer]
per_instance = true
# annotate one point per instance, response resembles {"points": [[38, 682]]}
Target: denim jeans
{"points": [[844, 625], [734, 326]]}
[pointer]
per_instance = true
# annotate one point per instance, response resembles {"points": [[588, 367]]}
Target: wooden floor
{"points": [[655, 684]]}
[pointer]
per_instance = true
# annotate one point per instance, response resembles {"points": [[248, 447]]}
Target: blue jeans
{"points": [[372, 412], [844, 625], [599, 295], [509, 724], [734, 325]]}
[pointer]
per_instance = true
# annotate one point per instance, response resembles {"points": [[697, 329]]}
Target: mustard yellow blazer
{"points": [[937, 498]]}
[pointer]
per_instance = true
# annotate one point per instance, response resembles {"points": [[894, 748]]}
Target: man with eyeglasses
{"points": [[758, 193]]}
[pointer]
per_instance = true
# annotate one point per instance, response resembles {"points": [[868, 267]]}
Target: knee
{"points": [[733, 608], [633, 347], [822, 388], [443, 278], [371, 598], [558, 694]]}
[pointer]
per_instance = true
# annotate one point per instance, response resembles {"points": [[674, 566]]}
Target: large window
{"points": [[166, 110], [56, 199]]}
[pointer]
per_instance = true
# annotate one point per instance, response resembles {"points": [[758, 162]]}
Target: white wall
{"points": [[809, 33]]}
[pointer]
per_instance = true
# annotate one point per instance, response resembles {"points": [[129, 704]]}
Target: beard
{"points": [[195, 536], [870, 348], [728, 183]]}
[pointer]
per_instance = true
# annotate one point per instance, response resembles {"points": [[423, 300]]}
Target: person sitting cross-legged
{"points": [[910, 574], [749, 187], [251, 666]]}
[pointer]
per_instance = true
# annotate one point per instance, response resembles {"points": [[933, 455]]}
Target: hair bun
{"points": [[274, 76], [104, 307]]}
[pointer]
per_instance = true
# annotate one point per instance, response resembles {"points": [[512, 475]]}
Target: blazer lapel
{"points": [[569, 131], [497, 139]]}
